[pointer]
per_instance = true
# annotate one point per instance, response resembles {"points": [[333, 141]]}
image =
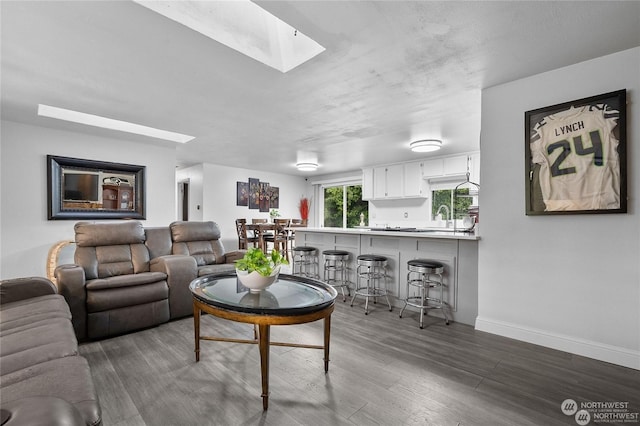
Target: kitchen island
{"points": [[458, 251]]}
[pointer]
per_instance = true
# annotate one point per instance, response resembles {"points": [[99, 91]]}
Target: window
{"points": [[343, 206], [443, 204]]}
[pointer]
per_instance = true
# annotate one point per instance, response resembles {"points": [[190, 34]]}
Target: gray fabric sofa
{"points": [[43, 379], [127, 278]]}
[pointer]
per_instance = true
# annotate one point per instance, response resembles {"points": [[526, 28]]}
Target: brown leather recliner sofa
{"points": [[127, 278], [43, 379]]}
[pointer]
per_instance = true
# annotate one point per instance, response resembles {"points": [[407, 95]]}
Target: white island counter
{"points": [[458, 251]]}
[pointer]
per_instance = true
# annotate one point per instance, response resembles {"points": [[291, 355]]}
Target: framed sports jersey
{"points": [[576, 156]]}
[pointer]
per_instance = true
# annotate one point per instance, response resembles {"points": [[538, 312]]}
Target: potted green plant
{"points": [[257, 271]]}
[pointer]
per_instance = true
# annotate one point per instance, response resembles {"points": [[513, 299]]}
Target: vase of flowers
{"points": [[257, 271], [304, 206], [273, 214]]}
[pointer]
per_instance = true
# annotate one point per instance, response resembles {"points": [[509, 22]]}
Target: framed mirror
{"points": [[87, 189]]}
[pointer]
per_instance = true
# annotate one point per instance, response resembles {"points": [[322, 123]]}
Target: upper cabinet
{"points": [[388, 182], [455, 166], [413, 182], [367, 184], [433, 168], [408, 180], [393, 181]]}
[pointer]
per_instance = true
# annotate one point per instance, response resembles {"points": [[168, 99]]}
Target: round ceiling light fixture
{"points": [[426, 145], [307, 167]]}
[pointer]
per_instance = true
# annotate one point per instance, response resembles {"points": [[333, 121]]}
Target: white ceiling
{"points": [[392, 72]]}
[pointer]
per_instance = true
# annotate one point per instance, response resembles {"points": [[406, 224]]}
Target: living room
{"points": [[569, 283]]}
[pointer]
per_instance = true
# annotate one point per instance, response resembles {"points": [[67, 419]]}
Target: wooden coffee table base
{"points": [[264, 323]]}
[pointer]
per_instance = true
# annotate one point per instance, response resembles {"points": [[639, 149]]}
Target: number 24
{"points": [[565, 146]]}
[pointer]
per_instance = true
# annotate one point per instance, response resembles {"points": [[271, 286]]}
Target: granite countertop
{"points": [[399, 232]]}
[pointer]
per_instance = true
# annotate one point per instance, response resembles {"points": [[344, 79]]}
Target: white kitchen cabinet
{"points": [[432, 168], [379, 183], [387, 182], [474, 166], [454, 166], [395, 181], [367, 184], [413, 182]]}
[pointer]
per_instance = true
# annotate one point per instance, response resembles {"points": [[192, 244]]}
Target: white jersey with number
{"points": [[578, 158]]}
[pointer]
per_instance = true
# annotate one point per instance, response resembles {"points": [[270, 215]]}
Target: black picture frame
{"points": [[242, 194], [106, 190], [575, 156], [254, 193]]}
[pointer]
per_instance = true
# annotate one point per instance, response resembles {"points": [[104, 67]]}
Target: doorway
{"points": [[183, 200]]}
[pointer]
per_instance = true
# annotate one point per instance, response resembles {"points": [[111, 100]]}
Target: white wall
{"points": [[215, 191], [25, 233], [568, 282]]}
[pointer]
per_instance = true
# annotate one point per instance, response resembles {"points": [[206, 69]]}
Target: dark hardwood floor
{"points": [[384, 371]]}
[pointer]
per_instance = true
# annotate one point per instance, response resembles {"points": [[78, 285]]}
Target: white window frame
{"points": [[319, 187]]}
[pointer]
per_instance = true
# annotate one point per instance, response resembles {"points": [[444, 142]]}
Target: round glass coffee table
{"points": [[289, 300]]}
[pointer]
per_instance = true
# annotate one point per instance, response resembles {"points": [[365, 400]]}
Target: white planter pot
{"points": [[256, 282]]}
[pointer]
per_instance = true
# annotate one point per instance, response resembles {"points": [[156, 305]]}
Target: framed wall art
{"points": [[87, 189], [242, 194], [254, 193], [575, 156]]}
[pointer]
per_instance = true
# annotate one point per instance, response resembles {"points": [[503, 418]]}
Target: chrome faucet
{"points": [[448, 217]]}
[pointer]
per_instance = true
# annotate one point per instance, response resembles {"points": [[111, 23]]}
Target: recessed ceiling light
{"points": [[426, 145], [109, 123], [243, 26], [307, 167]]}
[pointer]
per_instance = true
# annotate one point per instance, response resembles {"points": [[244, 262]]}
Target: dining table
{"points": [[260, 230]]}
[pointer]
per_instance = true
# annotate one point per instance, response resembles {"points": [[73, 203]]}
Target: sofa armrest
{"points": [[71, 281], [232, 256], [180, 270], [40, 410], [16, 289]]}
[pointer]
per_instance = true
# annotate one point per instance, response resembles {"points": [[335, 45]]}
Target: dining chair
{"points": [[280, 238], [243, 237]]}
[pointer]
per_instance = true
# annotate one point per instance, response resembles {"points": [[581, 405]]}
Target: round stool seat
{"points": [[425, 266], [336, 253], [371, 258], [304, 248]]}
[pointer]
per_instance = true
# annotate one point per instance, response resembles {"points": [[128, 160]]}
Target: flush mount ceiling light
{"points": [[307, 167], [426, 145], [243, 26], [109, 123]]}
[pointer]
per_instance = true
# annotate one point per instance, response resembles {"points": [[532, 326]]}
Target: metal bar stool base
{"points": [[424, 282], [305, 262], [336, 270], [371, 269]]}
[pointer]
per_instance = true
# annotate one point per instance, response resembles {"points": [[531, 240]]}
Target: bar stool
{"points": [[336, 270], [424, 275], [371, 268], [305, 261]]}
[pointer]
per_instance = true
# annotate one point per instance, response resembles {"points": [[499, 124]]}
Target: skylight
{"points": [[109, 123], [243, 26]]}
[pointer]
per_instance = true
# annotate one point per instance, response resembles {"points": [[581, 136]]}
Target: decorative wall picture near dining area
{"points": [[242, 193], [257, 195], [576, 156]]}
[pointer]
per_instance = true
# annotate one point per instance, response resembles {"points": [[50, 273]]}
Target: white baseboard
{"points": [[613, 354]]}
